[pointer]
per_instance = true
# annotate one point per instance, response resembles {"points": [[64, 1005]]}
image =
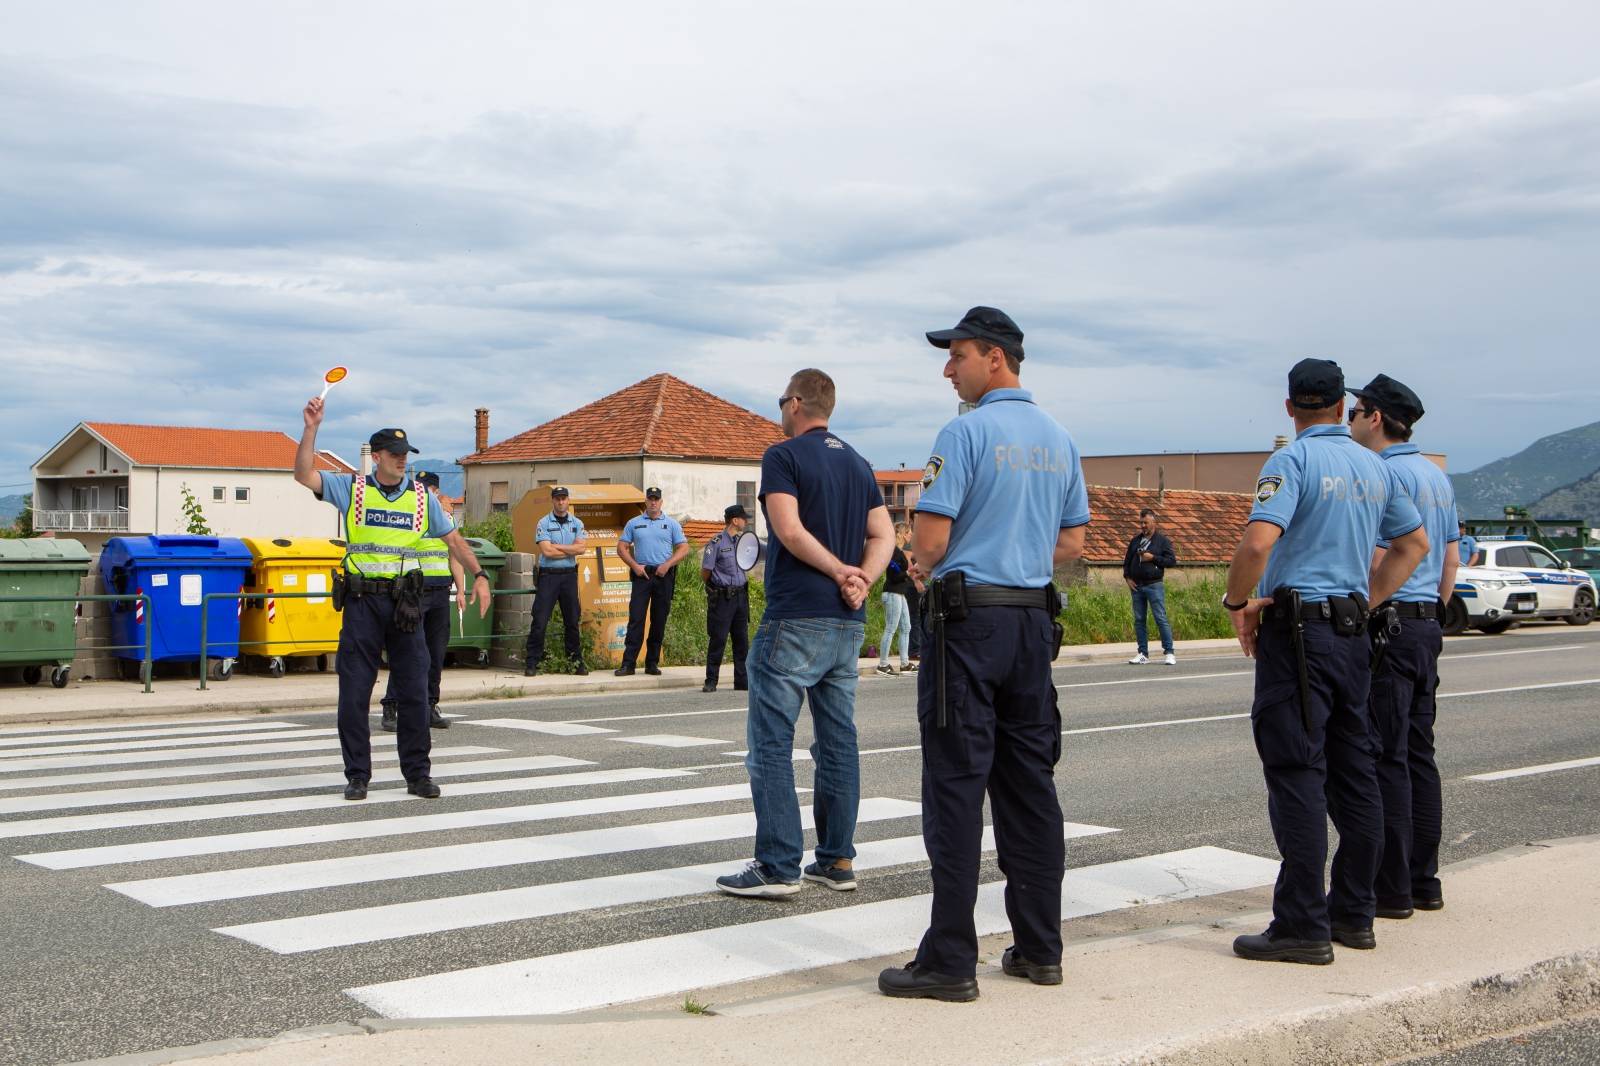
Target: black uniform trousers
{"points": [[1328, 770], [555, 587], [437, 616], [727, 611], [365, 634], [1003, 737], [651, 593], [1403, 710]]}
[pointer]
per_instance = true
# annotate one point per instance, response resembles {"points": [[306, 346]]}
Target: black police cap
{"points": [[1316, 379], [652, 493], [735, 511], [391, 440], [983, 324], [1392, 398], [428, 478], [558, 490]]}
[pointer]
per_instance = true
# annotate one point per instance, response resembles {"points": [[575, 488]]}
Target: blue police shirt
{"points": [[1468, 547], [1334, 500], [1435, 499], [652, 538], [1008, 476], [719, 559], [555, 531], [834, 491], [336, 490]]}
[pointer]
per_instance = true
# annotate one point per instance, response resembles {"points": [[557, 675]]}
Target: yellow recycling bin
{"points": [[603, 585], [277, 629]]}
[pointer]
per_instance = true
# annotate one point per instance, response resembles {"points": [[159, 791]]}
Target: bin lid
{"points": [[43, 551], [312, 549], [486, 550], [191, 551]]}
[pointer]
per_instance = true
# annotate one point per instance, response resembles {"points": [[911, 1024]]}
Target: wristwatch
{"points": [[1234, 606], [479, 574]]}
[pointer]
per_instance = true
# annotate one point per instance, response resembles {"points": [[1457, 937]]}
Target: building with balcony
{"points": [[702, 451], [901, 490], [108, 479]]}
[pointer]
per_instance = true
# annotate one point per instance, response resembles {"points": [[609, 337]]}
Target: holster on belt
{"points": [[341, 588], [1288, 607], [1058, 632], [1383, 625], [946, 601], [408, 601]]}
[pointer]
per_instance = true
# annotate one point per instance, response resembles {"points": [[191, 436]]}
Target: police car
{"points": [[1559, 589]]}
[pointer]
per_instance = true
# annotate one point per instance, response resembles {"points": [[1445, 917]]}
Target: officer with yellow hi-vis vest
{"points": [[381, 591], [440, 574]]}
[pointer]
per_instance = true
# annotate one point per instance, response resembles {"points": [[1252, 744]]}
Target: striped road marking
{"points": [[1530, 771], [8, 740], [554, 729], [159, 742]]}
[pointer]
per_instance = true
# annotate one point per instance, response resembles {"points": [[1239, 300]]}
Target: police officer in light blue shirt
{"points": [[1003, 504], [1322, 502], [652, 545], [559, 538], [1406, 675], [1468, 545]]}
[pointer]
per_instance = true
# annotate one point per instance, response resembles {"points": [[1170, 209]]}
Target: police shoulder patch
{"points": [[930, 473], [1267, 488]]}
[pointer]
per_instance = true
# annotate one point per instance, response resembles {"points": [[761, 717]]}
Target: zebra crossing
{"points": [[237, 824]]}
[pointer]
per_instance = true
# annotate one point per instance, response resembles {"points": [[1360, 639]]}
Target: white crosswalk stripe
{"points": [[106, 777], [159, 742], [554, 729], [131, 727], [596, 977], [172, 755], [9, 741]]}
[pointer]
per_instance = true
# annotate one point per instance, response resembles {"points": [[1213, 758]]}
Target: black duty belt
{"points": [[1427, 610], [1309, 612], [726, 592], [360, 585], [1006, 596]]}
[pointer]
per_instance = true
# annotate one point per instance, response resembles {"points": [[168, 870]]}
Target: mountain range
{"points": [[452, 480], [10, 507], [1555, 477]]}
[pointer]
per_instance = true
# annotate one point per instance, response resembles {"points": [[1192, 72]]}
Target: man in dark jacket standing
{"points": [[1143, 567]]}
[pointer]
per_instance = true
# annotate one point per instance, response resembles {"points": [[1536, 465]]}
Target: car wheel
{"points": [[1456, 617], [1496, 627], [1582, 608]]}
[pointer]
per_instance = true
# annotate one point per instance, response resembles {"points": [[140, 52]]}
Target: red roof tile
{"points": [[700, 530], [660, 416], [225, 449], [1204, 527], [885, 477]]}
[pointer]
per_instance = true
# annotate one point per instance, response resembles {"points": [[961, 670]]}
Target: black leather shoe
{"points": [[581, 670], [424, 787], [1351, 937], [1039, 973], [1395, 913], [1263, 948], [1428, 903], [389, 717], [356, 789], [913, 982], [623, 671], [530, 671], [437, 720], [654, 671], [709, 686]]}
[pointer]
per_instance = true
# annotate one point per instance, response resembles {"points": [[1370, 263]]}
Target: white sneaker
{"points": [[1139, 660], [1171, 659]]}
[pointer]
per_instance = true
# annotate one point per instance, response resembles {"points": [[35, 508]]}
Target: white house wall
{"points": [[701, 490], [522, 478], [278, 507]]}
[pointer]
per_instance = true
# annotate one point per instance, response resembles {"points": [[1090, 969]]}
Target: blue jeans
{"points": [[1154, 595], [896, 621], [790, 659]]}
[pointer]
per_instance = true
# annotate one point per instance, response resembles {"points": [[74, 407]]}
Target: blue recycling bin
{"points": [[176, 572]]}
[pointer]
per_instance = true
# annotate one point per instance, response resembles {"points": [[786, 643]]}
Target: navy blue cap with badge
{"points": [[652, 493], [1315, 384], [391, 440], [735, 511], [983, 324], [559, 492], [1393, 399], [428, 478]]}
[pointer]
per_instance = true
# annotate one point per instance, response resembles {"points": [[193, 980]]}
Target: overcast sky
{"points": [[527, 205]]}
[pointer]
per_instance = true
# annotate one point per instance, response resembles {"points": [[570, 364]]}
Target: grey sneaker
{"points": [[757, 880], [885, 669], [839, 878]]}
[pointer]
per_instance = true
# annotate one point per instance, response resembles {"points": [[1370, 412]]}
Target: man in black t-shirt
{"points": [[831, 537], [897, 591]]}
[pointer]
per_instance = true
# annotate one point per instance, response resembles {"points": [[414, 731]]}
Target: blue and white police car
{"points": [[1496, 594]]}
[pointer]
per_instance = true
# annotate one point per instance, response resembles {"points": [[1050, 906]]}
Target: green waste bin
{"points": [[472, 637], [36, 635]]}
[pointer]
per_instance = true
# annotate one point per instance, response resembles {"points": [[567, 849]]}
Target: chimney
{"points": [[480, 438], [1280, 441]]}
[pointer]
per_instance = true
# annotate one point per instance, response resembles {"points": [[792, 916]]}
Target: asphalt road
{"points": [[1160, 755]]}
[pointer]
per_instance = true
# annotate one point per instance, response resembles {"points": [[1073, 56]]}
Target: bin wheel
{"points": [[224, 669], [275, 666], [322, 664], [483, 657], [32, 674], [60, 676]]}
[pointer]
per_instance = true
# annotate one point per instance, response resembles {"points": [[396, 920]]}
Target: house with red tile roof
{"points": [[702, 451], [110, 479]]}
